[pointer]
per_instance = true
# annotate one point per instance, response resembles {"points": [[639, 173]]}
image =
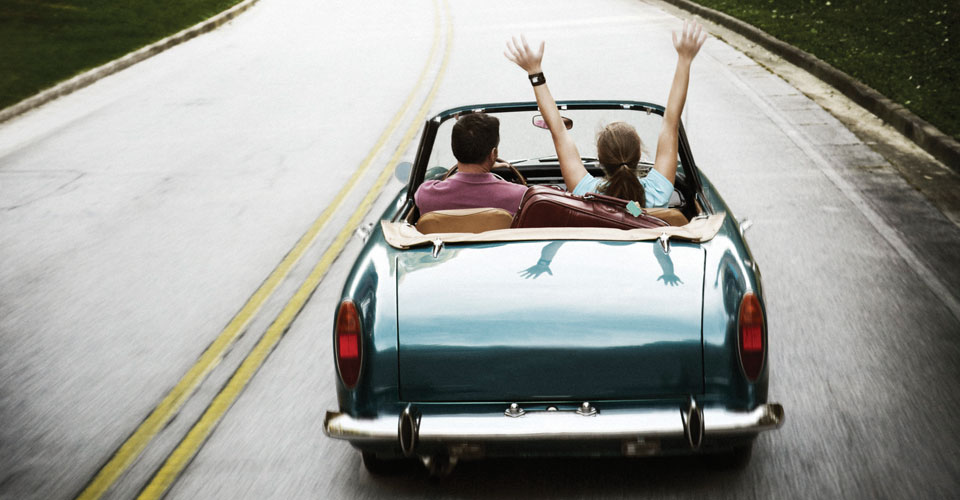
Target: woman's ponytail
{"points": [[618, 149], [624, 184]]}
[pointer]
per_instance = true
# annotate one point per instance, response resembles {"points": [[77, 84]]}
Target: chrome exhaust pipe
{"points": [[693, 424], [409, 430]]}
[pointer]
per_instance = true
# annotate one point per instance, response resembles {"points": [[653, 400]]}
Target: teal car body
{"points": [[553, 347]]}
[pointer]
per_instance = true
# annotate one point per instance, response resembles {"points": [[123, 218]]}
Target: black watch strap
{"points": [[537, 79]]}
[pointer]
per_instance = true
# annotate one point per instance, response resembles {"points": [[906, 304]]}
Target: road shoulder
{"points": [[90, 76], [937, 182]]}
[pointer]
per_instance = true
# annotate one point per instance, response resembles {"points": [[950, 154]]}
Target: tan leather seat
{"points": [[464, 220], [672, 216]]}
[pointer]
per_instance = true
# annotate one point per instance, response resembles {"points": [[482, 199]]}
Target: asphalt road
{"points": [[139, 215]]}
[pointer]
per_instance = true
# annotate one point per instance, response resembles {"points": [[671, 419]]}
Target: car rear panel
{"points": [[550, 321]]}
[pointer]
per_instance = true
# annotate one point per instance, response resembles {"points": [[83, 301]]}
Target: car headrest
{"points": [[464, 220], [673, 216]]}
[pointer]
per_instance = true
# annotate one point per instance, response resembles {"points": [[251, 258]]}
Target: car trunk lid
{"points": [[552, 321]]}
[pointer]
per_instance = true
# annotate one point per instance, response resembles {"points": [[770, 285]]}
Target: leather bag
{"points": [[549, 206]]}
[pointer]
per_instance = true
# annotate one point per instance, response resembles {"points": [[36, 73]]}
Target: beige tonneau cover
{"points": [[403, 235]]}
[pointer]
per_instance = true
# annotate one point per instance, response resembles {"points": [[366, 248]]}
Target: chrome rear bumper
{"points": [[546, 426]]}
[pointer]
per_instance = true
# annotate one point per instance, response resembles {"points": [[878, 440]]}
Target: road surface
{"points": [[141, 216]]}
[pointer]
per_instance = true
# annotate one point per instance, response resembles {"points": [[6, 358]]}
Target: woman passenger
{"points": [[618, 145]]}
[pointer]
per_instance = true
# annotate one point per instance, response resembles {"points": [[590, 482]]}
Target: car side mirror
{"points": [[539, 122], [402, 172]]}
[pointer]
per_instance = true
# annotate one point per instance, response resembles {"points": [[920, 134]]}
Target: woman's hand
{"points": [[521, 54], [571, 166], [687, 45], [690, 40]]}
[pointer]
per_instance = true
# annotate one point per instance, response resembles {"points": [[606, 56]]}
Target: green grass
{"points": [[908, 50], [45, 42]]}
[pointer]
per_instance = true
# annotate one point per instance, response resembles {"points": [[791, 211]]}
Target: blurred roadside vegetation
{"points": [[45, 42], [908, 50]]}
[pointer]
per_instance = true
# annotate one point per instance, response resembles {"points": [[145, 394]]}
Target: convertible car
{"points": [[465, 334]]}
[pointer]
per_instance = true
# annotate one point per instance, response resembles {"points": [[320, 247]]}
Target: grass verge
{"points": [[45, 42], [908, 51]]}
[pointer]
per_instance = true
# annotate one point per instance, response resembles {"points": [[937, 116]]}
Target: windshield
{"points": [[521, 140]]}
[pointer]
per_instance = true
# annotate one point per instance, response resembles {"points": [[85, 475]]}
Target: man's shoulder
{"points": [[504, 189], [510, 185], [432, 186], [427, 184]]}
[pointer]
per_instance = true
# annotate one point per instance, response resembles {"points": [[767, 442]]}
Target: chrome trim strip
{"points": [[556, 426]]}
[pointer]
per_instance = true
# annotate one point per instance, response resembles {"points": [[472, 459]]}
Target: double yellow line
{"points": [[175, 399]]}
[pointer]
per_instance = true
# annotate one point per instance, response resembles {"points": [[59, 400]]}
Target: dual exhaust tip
{"points": [[409, 427], [693, 424], [409, 430]]}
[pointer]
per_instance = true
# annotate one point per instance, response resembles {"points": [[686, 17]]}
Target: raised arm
{"points": [[687, 45], [571, 167]]}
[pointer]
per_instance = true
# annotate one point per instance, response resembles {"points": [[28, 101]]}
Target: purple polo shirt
{"points": [[462, 190]]}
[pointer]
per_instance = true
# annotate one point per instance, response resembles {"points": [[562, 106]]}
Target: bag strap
{"points": [[610, 200]]}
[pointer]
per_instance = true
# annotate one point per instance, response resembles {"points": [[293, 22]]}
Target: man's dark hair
{"points": [[474, 136]]}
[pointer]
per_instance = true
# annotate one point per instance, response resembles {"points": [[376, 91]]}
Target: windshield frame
{"points": [[432, 125]]}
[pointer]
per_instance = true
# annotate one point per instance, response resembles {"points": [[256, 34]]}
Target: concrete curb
{"points": [[86, 78], [925, 135]]}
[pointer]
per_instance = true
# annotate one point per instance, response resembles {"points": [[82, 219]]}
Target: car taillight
{"points": [[751, 336], [349, 347]]}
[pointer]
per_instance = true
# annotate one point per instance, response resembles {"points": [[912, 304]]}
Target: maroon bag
{"points": [[549, 206]]}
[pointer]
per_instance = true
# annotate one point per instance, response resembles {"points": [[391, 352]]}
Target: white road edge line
{"points": [[805, 143]]}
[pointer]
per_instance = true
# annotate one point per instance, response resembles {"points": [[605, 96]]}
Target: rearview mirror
{"points": [[539, 122]]}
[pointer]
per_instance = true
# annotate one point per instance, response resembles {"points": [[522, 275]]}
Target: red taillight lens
{"points": [[751, 336], [349, 346]]}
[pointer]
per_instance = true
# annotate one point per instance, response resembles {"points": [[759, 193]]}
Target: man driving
{"points": [[474, 140]]}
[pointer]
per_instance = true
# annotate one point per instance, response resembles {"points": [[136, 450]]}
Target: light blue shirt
{"points": [[656, 188]]}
